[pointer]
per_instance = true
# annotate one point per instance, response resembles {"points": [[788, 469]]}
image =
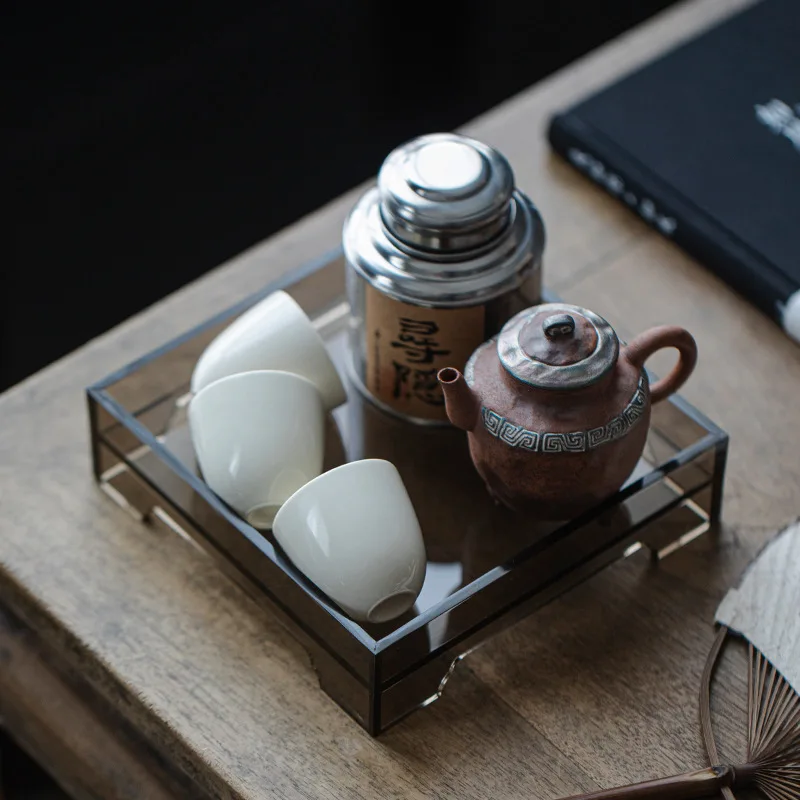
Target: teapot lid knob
{"points": [[558, 326], [558, 346]]}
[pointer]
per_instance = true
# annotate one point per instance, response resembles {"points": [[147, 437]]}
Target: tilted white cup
{"points": [[274, 334], [354, 533], [258, 437]]}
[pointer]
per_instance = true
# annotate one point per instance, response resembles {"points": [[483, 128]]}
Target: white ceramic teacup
{"points": [[274, 334], [258, 437], [354, 533]]}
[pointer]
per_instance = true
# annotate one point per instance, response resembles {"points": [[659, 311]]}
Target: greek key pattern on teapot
{"points": [[575, 441]]}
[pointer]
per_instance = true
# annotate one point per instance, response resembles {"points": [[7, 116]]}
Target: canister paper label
{"points": [[406, 347]]}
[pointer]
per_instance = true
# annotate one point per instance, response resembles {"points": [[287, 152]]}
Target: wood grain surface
{"points": [[599, 688], [63, 724]]}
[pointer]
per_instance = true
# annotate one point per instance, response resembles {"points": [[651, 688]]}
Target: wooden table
{"points": [[133, 668]]}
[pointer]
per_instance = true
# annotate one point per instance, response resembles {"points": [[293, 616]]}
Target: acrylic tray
{"points": [[488, 567]]}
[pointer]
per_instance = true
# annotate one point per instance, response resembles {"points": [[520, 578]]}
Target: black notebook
{"points": [[704, 144]]}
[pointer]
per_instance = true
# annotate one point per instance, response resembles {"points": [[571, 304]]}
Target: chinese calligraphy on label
{"points": [[417, 338], [407, 345]]}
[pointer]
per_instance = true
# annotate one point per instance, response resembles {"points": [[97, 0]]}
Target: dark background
{"points": [[142, 147]]}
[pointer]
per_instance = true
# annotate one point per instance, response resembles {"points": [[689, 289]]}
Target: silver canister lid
{"points": [[445, 193], [445, 225]]}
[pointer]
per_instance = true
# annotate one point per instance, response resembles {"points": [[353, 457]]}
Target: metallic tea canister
{"points": [[439, 256]]}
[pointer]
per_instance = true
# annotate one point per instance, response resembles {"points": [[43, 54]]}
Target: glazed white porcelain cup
{"points": [[354, 533], [258, 437], [274, 334]]}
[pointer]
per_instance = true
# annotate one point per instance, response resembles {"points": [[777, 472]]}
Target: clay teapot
{"points": [[557, 413]]}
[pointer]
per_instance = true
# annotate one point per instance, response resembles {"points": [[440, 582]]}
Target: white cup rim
{"points": [[237, 376], [317, 336], [236, 414], [325, 375], [360, 463], [302, 312]]}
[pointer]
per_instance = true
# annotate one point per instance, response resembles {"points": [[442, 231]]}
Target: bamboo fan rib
{"points": [[773, 712]]}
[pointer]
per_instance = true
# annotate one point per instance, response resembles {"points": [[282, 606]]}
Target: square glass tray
{"points": [[488, 567]]}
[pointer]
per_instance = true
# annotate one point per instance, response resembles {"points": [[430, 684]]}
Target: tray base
{"points": [[488, 567]]}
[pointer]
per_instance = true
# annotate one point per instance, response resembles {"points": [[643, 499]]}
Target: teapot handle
{"points": [[645, 344]]}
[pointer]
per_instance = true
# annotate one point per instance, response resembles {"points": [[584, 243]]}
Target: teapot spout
{"points": [[461, 403]]}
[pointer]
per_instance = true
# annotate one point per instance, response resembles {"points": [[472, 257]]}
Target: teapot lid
{"points": [[557, 346]]}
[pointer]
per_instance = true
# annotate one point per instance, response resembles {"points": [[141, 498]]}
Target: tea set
{"points": [[555, 408]]}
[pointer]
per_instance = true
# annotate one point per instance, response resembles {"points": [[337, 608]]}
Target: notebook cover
{"points": [[704, 144]]}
